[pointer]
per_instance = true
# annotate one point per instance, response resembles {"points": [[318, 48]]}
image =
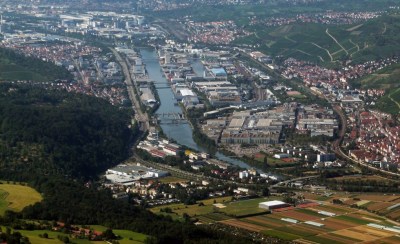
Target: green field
{"points": [[172, 179], [212, 217], [281, 235], [35, 239], [274, 162], [192, 210], [126, 235], [320, 239], [390, 102], [210, 213], [17, 197], [353, 219], [244, 207]]}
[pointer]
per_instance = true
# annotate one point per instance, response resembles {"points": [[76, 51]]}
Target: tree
{"points": [[109, 235], [265, 191], [265, 161], [186, 217]]}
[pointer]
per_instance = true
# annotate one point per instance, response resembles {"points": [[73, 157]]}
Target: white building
{"points": [[243, 174], [273, 205]]}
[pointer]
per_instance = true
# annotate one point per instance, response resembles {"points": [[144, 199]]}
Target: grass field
{"points": [[244, 207], [192, 210], [16, 197], [273, 162], [126, 235], [281, 235], [172, 179], [35, 239]]}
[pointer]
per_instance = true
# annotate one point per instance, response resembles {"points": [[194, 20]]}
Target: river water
{"points": [[181, 132]]}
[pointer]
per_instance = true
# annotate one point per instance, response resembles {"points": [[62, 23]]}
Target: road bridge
{"points": [[177, 116]]}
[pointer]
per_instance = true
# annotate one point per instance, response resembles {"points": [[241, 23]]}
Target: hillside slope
{"points": [[14, 66], [374, 39], [50, 132]]}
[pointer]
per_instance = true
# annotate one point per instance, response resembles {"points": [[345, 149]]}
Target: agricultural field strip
{"points": [[350, 231]]}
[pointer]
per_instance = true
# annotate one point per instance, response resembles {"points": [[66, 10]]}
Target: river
{"points": [[181, 132]]}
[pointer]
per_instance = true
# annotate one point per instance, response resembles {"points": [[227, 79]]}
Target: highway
{"points": [[140, 116]]}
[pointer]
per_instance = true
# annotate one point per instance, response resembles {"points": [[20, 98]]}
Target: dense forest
{"points": [[57, 132], [56, 142]]}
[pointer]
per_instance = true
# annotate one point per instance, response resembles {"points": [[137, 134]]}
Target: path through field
{"points": [[323, 49], [384, 28], [303, 52], [356, 45], [334, 39], [390, 97]]}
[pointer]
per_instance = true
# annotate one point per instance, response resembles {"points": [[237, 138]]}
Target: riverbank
{"points": [[184, 132]]}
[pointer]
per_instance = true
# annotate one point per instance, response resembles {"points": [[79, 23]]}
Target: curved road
{"points": [[336, 145], [338, 150]]}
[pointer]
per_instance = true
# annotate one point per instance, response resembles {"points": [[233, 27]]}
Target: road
{"points": [[185, 174], [343, 123], [336, 145], [140, 116], [293, 180], [338, 150], [341, 153]]}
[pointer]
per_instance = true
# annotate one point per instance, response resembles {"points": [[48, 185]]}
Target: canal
{"points": [[180, 132]]}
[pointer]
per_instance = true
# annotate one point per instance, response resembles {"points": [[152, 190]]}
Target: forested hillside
{"points": [[14, 66], [58, 132]]}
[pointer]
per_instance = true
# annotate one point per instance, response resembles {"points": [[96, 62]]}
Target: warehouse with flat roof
{"points": [[275, 204]]}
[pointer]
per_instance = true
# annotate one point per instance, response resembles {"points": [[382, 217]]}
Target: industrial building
{"points": [[219, 93], [257, 127], [271, 205], [126, 174], [318, 127], [147, 97]]}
